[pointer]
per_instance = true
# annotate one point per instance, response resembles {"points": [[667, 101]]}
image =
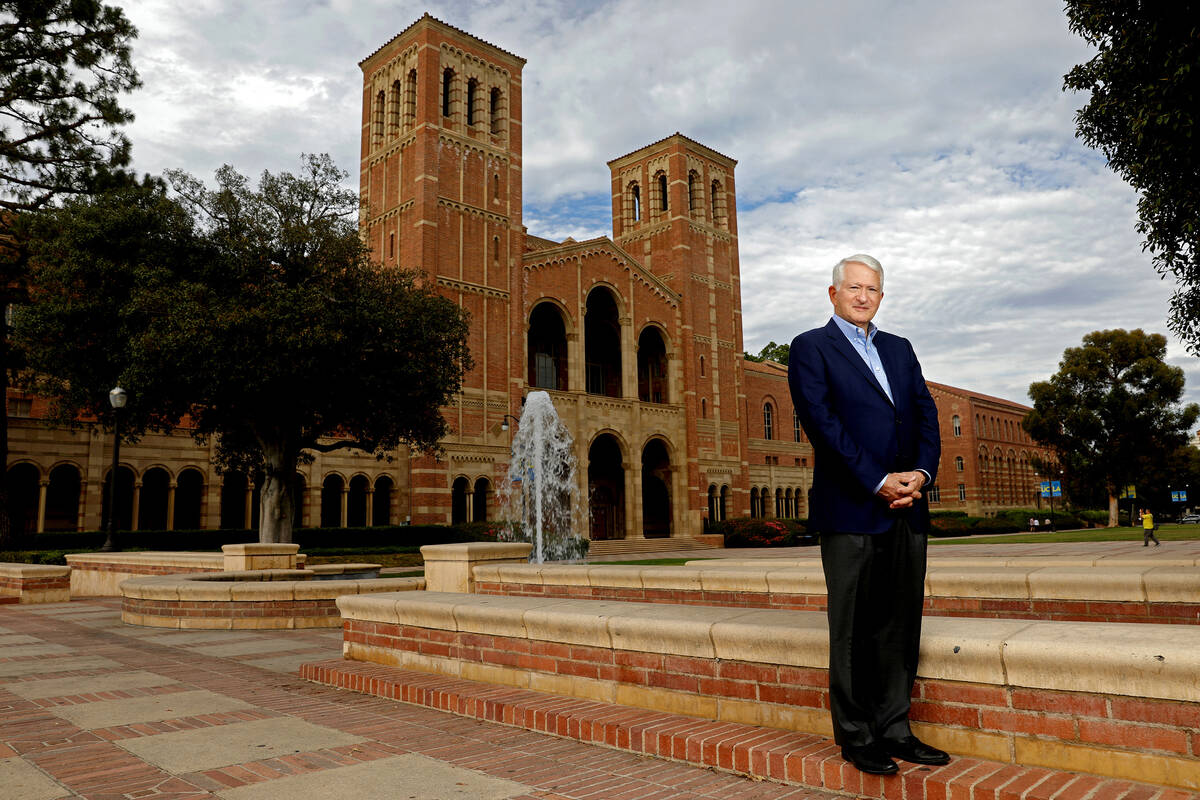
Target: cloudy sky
{"points": [[933, 134]]}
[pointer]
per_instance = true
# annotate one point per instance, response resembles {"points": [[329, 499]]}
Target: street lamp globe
{"points": [[117, 397]]}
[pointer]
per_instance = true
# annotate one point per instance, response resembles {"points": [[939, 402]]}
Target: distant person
{"points": [[860, 394], [1036, 524], [1148, 529], [1032, 524]]}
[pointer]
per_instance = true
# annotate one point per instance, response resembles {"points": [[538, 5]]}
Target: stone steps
{"points": [[783, 756]]}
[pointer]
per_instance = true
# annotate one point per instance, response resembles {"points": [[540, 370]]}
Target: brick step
{"points": [[615, 547], [787, 757]]}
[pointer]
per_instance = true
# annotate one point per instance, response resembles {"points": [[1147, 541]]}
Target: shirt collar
{"points": [[853, 332]]}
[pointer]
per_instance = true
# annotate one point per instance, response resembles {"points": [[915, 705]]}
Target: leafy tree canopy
{"points": [[772, 352], [252, 310], [63, 66], [1111, 413], [1145, 93]]}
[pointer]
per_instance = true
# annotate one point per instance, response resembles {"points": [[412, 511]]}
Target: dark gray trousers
{"points": [[876, 588]]}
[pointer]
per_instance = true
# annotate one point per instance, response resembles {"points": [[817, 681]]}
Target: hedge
{"points": [[747, 532]]}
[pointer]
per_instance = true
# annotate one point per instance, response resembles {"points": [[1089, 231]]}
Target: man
{"points": [[1148, 528], [873, 425]]}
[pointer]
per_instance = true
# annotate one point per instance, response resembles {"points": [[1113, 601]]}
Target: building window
{"points": [[496, 186], [703, 408], [768, 422], [20, 407], [962, 493], [935, 494], [472, 88], [391, 245], [662, 190], [693, 191], [635, 196], [397, 100], [410, 100], [718, 205], [958, 463], [496, 250], [494, 112], [447, 88], [379, 103], [797, 431], [701, 366], [956, 421]]}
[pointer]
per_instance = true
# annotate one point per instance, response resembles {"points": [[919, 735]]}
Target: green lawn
{"points": [[1166, 533]]}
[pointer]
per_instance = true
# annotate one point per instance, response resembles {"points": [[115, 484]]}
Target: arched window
{"points": [[410, 100], [379, 111], [755, 510], [602, 344], [391, 245], [447, 89], [703, 408], [635, 197], [496, 186], [718, 205], [701, 366], [693, 191], [962, 492], [652, 367], [956, 421], [723, 502], [496, 112], [959, 463], [768, 421], [797, 430], [547, 348], [712, 503], [779, 512], [472, 87], [394, 104], [496, 251], [662, 190]]}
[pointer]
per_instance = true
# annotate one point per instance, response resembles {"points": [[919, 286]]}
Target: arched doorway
{"points": [[381, 511], [755, 501], [189, 500], [458, 500], [152, 500], [124, 515], [656, 492], [606, 488], [724, 502], [62, 498], [547, 348], [602, 344], [23, 485], [712, 504], [479, 500], [356, 508], [331, 500], [652, 367]]}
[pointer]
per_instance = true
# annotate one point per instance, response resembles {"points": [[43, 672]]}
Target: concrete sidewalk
{"points": [[92, 708]]}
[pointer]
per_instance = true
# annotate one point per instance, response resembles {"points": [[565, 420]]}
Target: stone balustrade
{"points": [[1116, 700], [1017, 589], [34, 583]]}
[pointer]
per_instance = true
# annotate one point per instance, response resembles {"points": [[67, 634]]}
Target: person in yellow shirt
{"points": [[1148, 528]]}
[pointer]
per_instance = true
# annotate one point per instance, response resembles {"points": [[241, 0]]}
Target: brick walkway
{"points": [[92, 708]]}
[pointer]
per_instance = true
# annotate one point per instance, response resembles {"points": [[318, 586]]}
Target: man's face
{"points": [[857, 299]]}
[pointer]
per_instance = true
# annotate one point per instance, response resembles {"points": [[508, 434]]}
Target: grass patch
{"points": [[1166, 533]]}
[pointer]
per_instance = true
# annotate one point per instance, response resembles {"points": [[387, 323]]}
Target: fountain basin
{"points": [[249, 599]]}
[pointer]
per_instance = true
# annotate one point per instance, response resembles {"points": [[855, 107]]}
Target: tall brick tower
{"points": [[674, 210], [441, 184]]}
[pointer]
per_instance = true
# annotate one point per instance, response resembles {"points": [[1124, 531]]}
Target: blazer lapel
{"points": [[843, 346]]}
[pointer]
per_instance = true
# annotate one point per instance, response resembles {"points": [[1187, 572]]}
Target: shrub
{"points": [[747, 532]]}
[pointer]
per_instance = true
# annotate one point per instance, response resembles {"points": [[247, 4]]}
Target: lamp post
{"points": [[116, 398]]}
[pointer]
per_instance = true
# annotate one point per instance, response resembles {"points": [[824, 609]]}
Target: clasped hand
{"points": [[900, 489]]}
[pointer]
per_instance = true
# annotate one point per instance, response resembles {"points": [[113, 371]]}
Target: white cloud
{"points": [[934, 134]]}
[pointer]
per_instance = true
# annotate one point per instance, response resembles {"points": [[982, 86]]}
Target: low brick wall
{"points": [[1116, 700], [101, 574], [254, 599], [1110, 593], [34, 583]]}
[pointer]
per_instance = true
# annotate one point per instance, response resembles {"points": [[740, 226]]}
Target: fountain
{"points": [[540, 499]]}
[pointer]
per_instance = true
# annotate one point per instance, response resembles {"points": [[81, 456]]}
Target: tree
{"points": [[63, 66], [1145, 91], [1111, 413], [254, 311], [771, 352]]}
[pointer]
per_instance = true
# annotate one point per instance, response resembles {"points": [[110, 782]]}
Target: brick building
{"points": [[637, 338]]}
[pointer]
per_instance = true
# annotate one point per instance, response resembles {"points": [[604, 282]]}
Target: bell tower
{"points": [[674, 211], [440, 181]]}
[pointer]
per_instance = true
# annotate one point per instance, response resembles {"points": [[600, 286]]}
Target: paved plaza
{"points": [[93, 708]]}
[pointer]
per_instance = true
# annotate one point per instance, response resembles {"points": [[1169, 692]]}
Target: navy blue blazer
{"points": [[857, 434]]}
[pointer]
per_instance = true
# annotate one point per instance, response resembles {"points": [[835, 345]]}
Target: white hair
{"points": [[839, 271]]}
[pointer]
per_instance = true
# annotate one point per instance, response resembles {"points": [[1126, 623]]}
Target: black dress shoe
{"points": [[870, 758], [915, 751]]}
